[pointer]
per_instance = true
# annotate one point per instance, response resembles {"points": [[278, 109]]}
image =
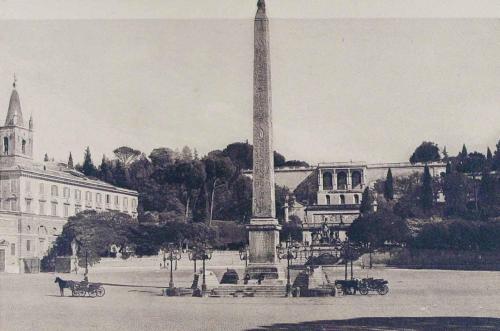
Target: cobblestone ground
{"points": [[418, 300]]}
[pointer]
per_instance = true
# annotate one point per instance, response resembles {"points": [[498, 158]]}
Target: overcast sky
{"points": [[343, 88]]}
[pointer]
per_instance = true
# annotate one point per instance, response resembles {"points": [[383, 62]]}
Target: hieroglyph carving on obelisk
{"points": [[263, 205]]}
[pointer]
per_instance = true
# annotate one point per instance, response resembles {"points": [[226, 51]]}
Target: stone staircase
{"points": [[249, 291]]}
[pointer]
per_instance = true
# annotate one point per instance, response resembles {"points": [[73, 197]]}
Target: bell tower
{"points": [[16, 139]]}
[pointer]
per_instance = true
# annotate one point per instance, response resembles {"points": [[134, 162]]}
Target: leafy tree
{"points": [[426, 152], [94, 233], [455, 191], [219, 171], [186, 154], [489, 196], [426, 195], [449, 169], [88, 168], [126, 155], [496, 157], [105, 174], [366, 202], [296, 163], [474, 163], [292, 230], [279, 160], [282, 194], [70, 161], [120, 175], [162, 157], [377, 229], [389, 186]]}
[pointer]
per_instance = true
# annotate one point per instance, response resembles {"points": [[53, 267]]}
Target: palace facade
{"points": [[36, 199]]}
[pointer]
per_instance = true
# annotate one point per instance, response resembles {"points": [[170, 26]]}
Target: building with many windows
{"points": [[36, 199]]}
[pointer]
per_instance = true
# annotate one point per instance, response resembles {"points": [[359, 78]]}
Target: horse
{"points": [[64, 284]]}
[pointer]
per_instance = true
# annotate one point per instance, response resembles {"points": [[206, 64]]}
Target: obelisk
{"points": [[264, 228]]}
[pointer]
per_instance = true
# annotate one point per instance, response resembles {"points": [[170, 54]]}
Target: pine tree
{"points": [[389, 186], [46, 158], [70, 161], [366, 202], [88, 168], [427, 195]]}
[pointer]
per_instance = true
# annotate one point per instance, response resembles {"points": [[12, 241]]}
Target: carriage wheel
{"points": [[383, 290], [100, 291], [92, 293], [74, 292]]}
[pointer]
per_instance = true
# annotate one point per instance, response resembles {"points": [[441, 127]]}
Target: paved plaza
{"points": [[418, 300]]}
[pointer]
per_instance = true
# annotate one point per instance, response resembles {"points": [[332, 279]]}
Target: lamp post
{"points": [[174, 254], [193, 255], [244, 254], [289, 252], [205, 254]]}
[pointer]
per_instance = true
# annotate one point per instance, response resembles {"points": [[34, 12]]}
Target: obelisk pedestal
{"points": [[263, 229]]}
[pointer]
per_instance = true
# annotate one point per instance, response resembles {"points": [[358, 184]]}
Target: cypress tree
{"points": [[88, 168], [489, 156], [464, 153], [389, 186], [426, 196], [70, 161], [366, 202]]}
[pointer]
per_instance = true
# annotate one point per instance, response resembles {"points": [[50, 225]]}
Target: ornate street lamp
{"points": [[244, 254], [202, 253], [193, 256], [289, 252], [174, 254]]}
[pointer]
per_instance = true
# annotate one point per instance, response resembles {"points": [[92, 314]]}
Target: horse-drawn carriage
{"points": [[81, 289]]}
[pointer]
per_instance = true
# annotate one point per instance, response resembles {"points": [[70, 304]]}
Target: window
{"points": [[42, 208], [134, 203], [328, 202], [88, 196], [66, 192], [13, 185], [108, 199], [342, 199], [66, 210], [342, 181], [6, 145], [54, 208], [78, 195], [12, 249], [28, 205], [327, 181], [77, 210], [54, 191], [42, 188], [5, 204], [28, 245], [13, 204], [125, 203], [356, 199], [356, 179], [23, 146], [98, 197], [116, 200]]}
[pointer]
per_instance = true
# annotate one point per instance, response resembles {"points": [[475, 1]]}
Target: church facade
{"points": [[36, 199]]}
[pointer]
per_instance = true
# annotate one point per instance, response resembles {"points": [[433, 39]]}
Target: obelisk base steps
{"points": [[262, 257]]}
